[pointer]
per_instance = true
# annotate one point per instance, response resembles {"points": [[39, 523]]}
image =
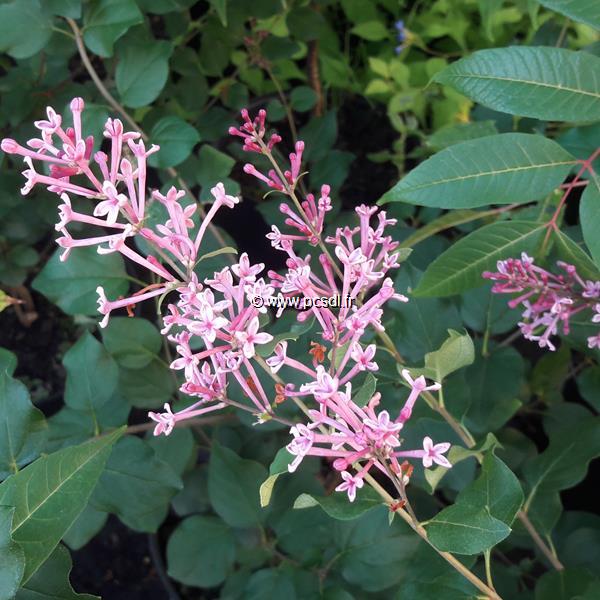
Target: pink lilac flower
{"points": [[213, 314], [353, 263], [549, 300]]}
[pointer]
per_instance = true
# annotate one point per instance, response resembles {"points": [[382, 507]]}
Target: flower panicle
{"points": [[549, 300], [116, 181]]}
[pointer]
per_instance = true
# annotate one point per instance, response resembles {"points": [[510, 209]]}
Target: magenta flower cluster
{"points": [[214, 324], [549, 300]]}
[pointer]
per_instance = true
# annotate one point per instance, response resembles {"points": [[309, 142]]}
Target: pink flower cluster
{"points": [[354, 263], [215, 323], [549, 300]]}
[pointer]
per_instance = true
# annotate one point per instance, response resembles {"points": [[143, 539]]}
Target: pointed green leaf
{"points": [[51, 581], [499, 169], [585, 11], [50, 493], [569, 251], [483, 511], [22, 425], [460, 267], [337, 506], [464, 529], [553, 84]]}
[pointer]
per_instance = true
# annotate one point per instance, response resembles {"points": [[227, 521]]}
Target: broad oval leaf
{"points": [[499, 169], [72, 284], [23, 427], [201, 551], [585, 11], [49, 494], [233, 487], [176, 139], [136, 485], [92, 374], [133, 342], [553, 84], [142, 72], [105, 21], [460, 267]]}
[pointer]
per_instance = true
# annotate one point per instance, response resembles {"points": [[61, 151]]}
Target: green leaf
{"points": [[460, 132], [233, 487], [147, 387], [570, 252], [50, 493], [446, 221], [92, 374], [585, 11], [220, 7], [492, 397], [214, 166], [588, 383], [133, 342], [12, 558], [72, 284], [466, 529], [23, 427], [279, 465], [105, 21], [269, 583], [303, 98], [564, 462], [483, 511], [25, 28], [499, 169], [337, 505], [176, 139], [64, 8], [497, 489], [8, 361], [306, 24], [589, 217], [456, 352], [85, 527], [460, 267], [553, 84], [51, 581], [568, 584], [136, 485], [365, 391], [142, 71], [201, 552], [373, 31]]}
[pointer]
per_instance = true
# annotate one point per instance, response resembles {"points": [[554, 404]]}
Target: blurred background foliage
{"points": [[180, 516]]}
